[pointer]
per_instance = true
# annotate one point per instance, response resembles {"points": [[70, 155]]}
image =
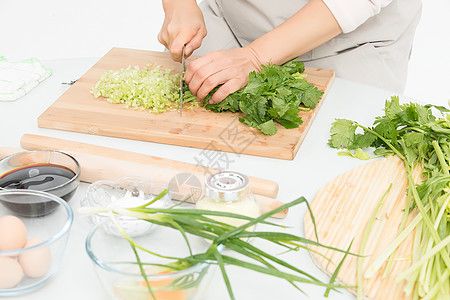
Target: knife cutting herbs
{"points": [[275, 95], [182, 70], [412, 132]]}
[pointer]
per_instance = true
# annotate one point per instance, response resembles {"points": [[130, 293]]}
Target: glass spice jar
{"points": [[229, 191]]}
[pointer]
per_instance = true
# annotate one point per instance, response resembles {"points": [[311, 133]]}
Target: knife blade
{"points": [[183, 67]]}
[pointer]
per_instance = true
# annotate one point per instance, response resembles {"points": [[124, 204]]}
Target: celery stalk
{"points": [[362, 247]]}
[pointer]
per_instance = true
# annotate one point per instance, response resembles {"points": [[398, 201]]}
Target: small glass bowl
{"points": [[127, 192], [40, 261], [51, 171], [115, 264]]}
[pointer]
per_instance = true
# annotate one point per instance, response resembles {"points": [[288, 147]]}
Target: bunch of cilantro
{"points": [[406, 129], [413, 133], [275, 94]]}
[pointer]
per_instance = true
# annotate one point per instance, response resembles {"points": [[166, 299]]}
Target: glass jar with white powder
{"points": [[229, 191]]}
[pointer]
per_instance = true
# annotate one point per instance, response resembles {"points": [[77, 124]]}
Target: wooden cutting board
{"points": [[342, 209], [78, 110]]}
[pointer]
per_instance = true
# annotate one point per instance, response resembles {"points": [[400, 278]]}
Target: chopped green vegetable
{"points": [[152, 89], [413, 133], [274, 94]]}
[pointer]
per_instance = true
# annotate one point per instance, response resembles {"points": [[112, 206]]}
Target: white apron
{"points": [[375, 53]]}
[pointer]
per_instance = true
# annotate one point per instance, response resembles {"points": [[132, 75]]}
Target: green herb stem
{"points": [[201, 223], [362, 247], [336, 271], [444, 254], [221, 263], [383, 256], [396, 151], [429, 254], [258, 219], [400, 229], [441, 158], [416, 136]]}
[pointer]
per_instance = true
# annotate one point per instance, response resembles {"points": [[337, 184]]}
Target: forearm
{"points": [[183, 25], [310, 27], [171, 4]]}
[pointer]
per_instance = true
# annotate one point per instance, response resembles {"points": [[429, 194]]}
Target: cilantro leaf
{"points": [[365, 140], [309, 98], [410, 130], [268, 127], [290, 119], [342, 133], [392, 108]]}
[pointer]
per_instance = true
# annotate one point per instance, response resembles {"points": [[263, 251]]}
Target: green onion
{"points": [[235, 239]]}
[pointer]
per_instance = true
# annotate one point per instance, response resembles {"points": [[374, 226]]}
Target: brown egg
{"points": [[35, 262], [13, 233], [10, 272]]}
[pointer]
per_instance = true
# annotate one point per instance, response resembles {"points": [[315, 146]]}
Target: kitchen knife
{"points": [[183, 66]]}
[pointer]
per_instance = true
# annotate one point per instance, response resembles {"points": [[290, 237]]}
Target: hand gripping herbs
{"points": [[276, 94]]}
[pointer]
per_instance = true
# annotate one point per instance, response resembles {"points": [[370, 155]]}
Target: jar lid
{"points": [[226, 185]]}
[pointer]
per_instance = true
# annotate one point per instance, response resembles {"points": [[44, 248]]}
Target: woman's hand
{"points": [[227, 68], [183, 25]]}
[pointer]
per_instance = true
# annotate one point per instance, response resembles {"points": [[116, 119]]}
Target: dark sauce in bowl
{"points": [[51, 178]]}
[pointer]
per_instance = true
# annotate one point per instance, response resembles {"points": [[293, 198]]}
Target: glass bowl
{"points": [[115, 265], [51, 171], [26, 267], [129, 191]]}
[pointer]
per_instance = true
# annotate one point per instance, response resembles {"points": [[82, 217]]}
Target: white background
{"points": [[58, 29]]}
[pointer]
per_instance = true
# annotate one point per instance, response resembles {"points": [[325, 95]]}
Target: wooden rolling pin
{"points": [[95, 167], [258, 186]]}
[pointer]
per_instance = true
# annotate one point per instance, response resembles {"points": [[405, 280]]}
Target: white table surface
{"points": [[314, 165]]}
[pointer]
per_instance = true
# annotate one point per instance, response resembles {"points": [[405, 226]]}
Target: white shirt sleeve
{"points": [[352, 13]]}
